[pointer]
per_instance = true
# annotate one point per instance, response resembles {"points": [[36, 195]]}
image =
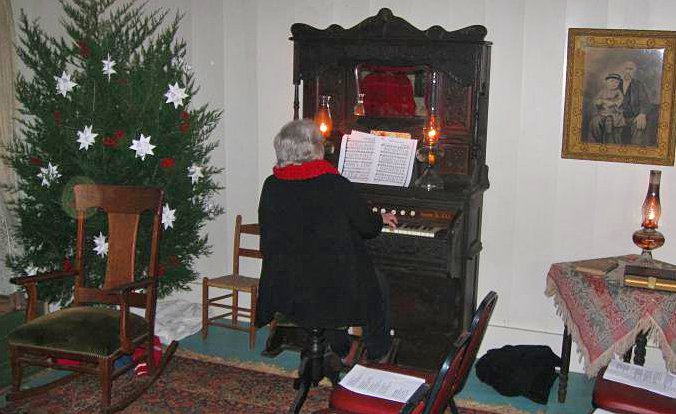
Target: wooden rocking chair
{"points": [[88, 339]]}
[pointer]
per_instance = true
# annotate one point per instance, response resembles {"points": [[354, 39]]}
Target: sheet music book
{"points": [[371, 159], [660, 382], [382, 384]]}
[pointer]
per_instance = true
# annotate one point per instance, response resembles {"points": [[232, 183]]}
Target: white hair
{"points": [[298, 142]]}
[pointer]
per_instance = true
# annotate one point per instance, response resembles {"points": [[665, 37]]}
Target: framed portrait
{"points": [[620, 96]]}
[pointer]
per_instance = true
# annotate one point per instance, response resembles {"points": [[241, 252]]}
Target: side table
{"points": [[605, 318]]}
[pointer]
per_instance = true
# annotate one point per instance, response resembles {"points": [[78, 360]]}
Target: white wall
{"points": [[540, 209]]}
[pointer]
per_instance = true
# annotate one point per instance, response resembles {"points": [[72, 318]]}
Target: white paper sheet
{"points": [[382, 384], [660, 382], [372, 159]]}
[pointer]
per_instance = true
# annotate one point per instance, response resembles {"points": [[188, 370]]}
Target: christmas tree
{"points": [[109, 105]]}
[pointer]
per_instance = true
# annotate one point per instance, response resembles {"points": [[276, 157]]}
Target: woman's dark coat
{"points": [[316, 269]]}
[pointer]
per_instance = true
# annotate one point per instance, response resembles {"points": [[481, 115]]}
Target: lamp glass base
{"points": [[429, 180], [648, 240]]}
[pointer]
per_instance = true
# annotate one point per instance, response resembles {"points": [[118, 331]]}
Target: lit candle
{"points": [[322, 116], [432, 130]]}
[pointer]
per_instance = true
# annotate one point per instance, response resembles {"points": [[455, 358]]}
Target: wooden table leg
{"points": [[639, 351], [565, 365]]}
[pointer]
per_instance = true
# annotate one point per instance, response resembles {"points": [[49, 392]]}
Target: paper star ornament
{"points": [[142, 146], [195, 172], [31, 270], [108, 66], [49, 174], [64, 84], [168, 216], [175, 95], [101, 245], [86, 137]]}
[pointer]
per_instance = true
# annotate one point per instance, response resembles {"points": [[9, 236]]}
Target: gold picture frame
{"points": [[619, 103]]}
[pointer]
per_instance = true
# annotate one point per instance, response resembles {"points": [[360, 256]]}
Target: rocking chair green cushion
{"points": [[81, 330]]}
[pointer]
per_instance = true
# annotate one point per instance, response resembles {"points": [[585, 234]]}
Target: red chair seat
{"points": [[443, 385], [625, 399], [345, 401]]}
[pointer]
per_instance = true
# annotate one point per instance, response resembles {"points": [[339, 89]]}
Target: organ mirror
{"points": [[390, 65]]}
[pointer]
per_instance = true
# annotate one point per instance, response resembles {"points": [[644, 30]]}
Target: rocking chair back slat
{"points": [[122, 236]]}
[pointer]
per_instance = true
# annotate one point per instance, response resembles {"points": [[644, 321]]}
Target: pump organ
{"points": [[432, 261]]}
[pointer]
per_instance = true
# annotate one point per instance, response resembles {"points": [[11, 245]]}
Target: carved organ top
{"points": [[392, 63]]}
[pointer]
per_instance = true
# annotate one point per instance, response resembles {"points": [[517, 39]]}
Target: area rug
{"points": [[192, 385]]}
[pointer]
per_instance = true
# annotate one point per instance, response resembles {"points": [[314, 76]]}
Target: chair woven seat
{"points": [[238, 282], [81, 329]]}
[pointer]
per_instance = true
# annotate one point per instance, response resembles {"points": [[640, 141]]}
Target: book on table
{"points": [[596, 267], [645, 271], [656, 278]]}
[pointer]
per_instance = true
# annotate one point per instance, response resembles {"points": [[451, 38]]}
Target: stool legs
{"points": [[311, 369]]}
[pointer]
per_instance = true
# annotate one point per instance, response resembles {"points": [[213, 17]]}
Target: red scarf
{"points": [[304, 171]]}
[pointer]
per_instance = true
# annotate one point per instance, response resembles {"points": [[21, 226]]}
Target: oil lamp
{"points": [[429, 151], [427, 154], [647, 237]]}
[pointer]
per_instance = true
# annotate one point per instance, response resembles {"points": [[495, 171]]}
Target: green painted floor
{"points": [[232, 344]]}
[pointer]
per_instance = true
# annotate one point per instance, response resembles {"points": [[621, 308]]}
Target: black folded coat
{"points": [[527, 370]]}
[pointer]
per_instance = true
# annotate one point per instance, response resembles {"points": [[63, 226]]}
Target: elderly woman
{"points": [[316, 267]]}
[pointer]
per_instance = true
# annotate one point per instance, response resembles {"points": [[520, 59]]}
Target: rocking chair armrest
{"points": [[122, 291], [25, 280], [30, 283], [128, 287]]}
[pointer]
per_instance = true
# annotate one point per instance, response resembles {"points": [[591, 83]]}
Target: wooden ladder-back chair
{"points": [[89, 339], [442, 387], [235, 283]]}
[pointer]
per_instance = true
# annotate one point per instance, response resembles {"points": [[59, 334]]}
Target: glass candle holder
{"points": [[359, 106], [322, 116], [428, 154]]}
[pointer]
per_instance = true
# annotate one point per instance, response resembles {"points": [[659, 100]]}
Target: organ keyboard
{"points": [[414, 229], [417, 222]]}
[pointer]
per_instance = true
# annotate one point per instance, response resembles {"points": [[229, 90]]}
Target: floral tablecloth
{"points": [[604, 317]]}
